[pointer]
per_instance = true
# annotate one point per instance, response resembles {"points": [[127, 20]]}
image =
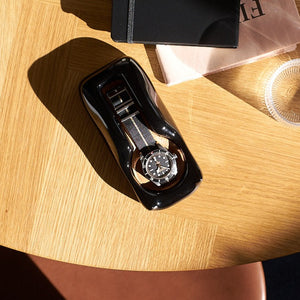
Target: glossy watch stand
{"points": [[140, 133]]}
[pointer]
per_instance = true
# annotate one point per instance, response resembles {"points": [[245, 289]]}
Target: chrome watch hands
{"points": [[159, 165]]}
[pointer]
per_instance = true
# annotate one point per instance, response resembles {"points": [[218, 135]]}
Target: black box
{"points": [[181, 22]]}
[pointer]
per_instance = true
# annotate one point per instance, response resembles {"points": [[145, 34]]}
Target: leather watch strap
{"points": [[139, 133], [130, 117]]}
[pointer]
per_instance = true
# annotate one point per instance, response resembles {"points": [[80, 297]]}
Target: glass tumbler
{"points": [[282, 94]]}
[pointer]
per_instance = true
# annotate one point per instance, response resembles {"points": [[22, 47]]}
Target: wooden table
{"points": [[63, 195]]}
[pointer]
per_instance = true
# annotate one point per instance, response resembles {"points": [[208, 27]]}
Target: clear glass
{"points": [[282, 94]]}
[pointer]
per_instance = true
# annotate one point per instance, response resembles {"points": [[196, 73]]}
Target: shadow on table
{"points": [[151, 53], [96, 14], [22, 279], [55, 78]]}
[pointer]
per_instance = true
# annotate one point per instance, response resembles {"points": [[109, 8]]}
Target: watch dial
{"points": [[160, 166]]}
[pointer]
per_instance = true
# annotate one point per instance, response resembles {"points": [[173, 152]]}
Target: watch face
{"points": [[160, 166]]}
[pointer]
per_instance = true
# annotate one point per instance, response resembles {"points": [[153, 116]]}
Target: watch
{"points": [[158, 163], [140, 133], [159, 166]]}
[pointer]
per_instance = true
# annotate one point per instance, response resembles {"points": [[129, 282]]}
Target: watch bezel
{"points": [[173, 167]]}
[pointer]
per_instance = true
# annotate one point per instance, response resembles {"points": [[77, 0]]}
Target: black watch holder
{"points": [[140, 133]]}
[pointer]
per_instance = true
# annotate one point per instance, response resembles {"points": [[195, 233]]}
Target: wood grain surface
{"points": [[62, 195]]}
